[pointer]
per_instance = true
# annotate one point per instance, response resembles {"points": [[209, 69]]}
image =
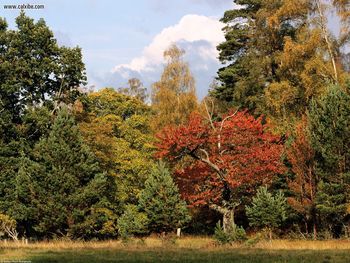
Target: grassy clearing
{"points": [[186, 249]]}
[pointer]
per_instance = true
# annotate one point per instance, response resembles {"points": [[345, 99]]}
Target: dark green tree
{"points": [[329, 126], [63, 188], [254, 36], [36, 76], [34, 69], [161, 202], [267, 211]]}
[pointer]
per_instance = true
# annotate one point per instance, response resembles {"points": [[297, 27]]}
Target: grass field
{"points": [[183, 250]]}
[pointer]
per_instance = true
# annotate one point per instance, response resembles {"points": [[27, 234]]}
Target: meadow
{"points": [[187, 249]]}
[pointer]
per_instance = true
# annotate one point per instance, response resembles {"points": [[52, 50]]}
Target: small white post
{"points": [[178, 232]]}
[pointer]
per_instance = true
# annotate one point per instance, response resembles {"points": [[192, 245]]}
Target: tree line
{"points": [[266, 149]]}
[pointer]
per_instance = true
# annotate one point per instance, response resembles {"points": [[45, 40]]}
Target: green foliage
{"points": [[250, 51], [35, 76], [329, 127], [331, 205], [108, 101], [236, 234], [34, 69], [161, 201], [62, 186], [252, 241], [132, 222], [267, 211], [116, 128]]}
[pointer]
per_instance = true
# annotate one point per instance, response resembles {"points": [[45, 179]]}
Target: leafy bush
{"points": [[132, 222], [237, 234]]}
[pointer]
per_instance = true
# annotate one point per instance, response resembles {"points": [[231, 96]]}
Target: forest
{"points": [[265, 154]]}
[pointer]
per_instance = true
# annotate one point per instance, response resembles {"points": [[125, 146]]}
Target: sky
{"points": [[124, 39]]}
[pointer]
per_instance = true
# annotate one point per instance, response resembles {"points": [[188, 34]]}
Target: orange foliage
{"points": [[225, 155]]}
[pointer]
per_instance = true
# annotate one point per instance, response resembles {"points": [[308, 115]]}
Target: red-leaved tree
{"points": [[219, 157]]}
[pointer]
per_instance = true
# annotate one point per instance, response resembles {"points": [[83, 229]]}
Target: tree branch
{"points": [[210, 115]]}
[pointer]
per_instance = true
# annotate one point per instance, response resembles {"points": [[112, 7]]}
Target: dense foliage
{"points": [[161, 202], [225, 160], [267, 211], [83, 164]]}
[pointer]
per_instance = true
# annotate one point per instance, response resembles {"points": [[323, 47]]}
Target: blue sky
{"points": [[123, 39]]}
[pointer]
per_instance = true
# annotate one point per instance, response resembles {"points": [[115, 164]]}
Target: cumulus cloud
{"points": [[191, 28], [197, 35]]}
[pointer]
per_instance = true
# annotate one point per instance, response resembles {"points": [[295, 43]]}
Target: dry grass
{"points": [[206, 243], [304, 245], [185, 249], [148, 243]]}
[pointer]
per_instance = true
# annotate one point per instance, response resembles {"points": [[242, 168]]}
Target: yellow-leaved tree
{"points": [[174, 95], [308, 63]]}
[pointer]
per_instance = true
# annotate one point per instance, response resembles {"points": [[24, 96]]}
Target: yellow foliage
{"points": [[174, 96], [279, 95]]}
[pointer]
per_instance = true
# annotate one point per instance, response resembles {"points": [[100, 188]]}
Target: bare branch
{"points": [[216, 168], [210, 115], [220, 209], [228, 117], [323, 24]]}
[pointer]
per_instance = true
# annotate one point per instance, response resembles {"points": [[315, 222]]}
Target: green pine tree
{"points": [[250, 51], [267, 211], [161, 201], [68, 193], [329, 127]]}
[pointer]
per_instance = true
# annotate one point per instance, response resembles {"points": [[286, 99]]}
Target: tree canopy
{"points": [[174, 95]]}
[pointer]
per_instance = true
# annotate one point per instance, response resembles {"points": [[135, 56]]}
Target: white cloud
{"points": [[191, 28]]}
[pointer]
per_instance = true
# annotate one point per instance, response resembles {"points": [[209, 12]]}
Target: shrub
{"points": [[237, 234], [132, 222]]}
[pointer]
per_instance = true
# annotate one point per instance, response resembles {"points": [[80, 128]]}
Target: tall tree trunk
{"points": [[323, 24]]}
